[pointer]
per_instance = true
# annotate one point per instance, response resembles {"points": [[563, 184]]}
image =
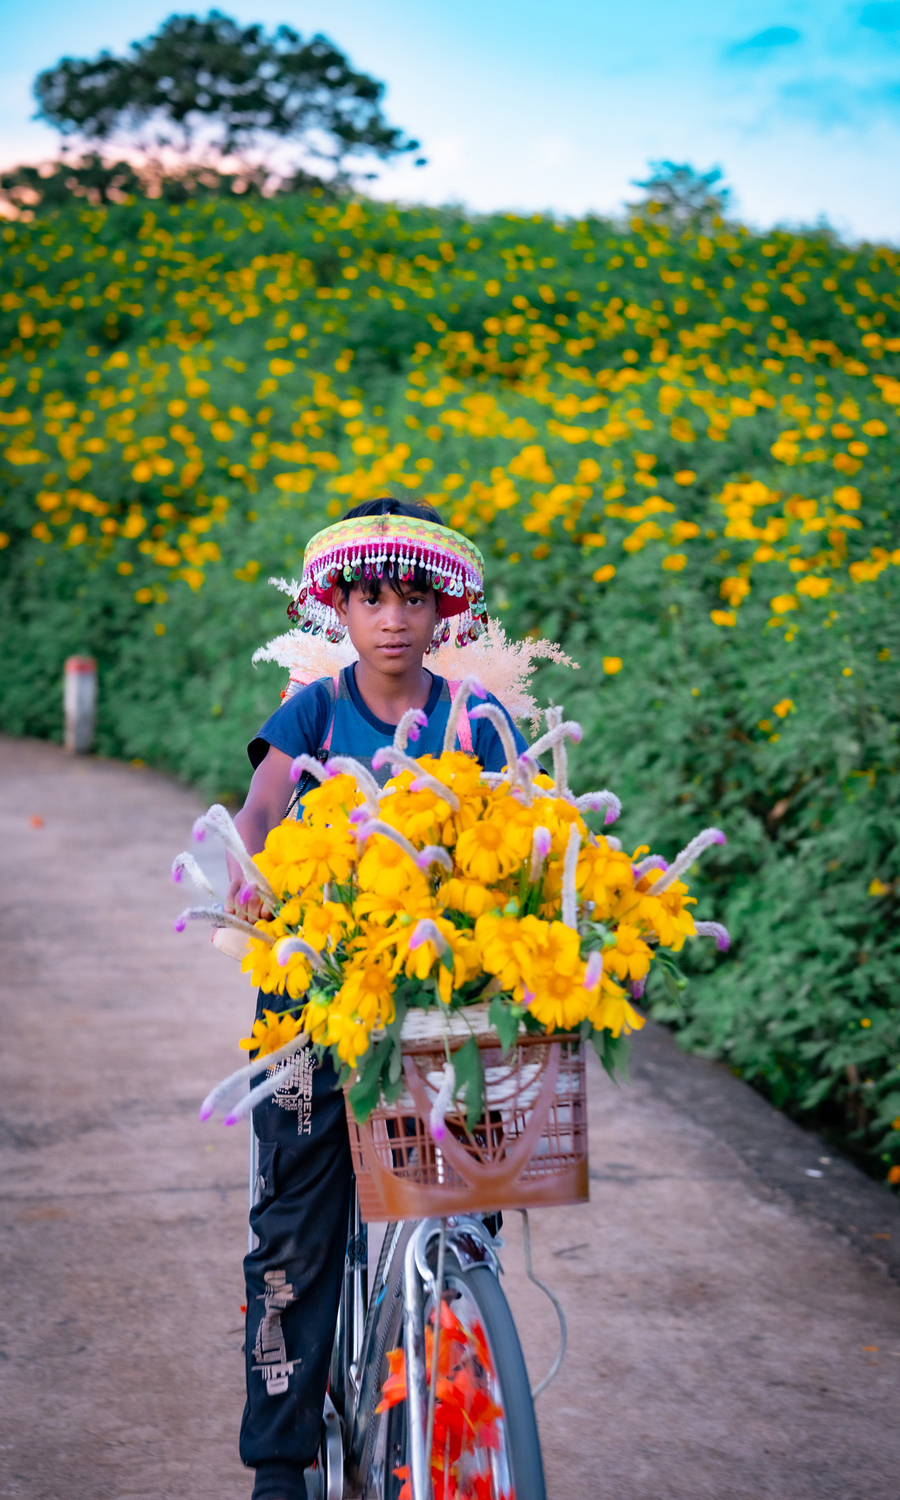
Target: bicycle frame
{"points": [[345, 1417], [471, 1243]]}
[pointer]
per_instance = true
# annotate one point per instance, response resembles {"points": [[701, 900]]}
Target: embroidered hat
{"points": [[392, 546]]}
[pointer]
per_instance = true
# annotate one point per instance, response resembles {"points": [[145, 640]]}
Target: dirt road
{"points": [[734, 1324]]}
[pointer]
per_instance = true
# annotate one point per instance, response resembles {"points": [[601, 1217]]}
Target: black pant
{"points": [[294, 1275]]}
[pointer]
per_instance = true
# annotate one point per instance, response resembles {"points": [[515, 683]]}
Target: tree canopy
{"points": [[207, 81], [678, 193]]}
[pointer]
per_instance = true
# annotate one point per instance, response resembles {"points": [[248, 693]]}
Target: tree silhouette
{"points": [[208, 83], [680, 195]]}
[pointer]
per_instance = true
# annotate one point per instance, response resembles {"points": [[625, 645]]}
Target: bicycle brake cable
{"points": [[554, 1370]]}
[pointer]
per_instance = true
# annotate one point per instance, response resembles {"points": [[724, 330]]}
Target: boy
{"points": [[391, 575]]}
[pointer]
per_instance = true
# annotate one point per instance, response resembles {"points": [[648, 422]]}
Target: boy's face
{"points": [[393, 631]]}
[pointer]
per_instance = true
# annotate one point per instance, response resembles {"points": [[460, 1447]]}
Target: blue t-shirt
{"points": [[300, 725]]}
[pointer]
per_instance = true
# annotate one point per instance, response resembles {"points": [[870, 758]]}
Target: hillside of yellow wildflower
{"points": [[676, 449]]}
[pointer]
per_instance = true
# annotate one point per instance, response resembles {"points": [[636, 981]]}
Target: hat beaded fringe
{"points": [[458, 578]]}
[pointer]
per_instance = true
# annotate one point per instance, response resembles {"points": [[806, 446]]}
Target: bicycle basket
{"points": [[528, 1150]]}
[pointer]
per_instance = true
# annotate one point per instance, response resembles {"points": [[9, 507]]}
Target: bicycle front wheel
{"points": [[485, 1444]]}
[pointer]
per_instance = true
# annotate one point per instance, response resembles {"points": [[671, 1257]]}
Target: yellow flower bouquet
{"points": [[445, 889]]}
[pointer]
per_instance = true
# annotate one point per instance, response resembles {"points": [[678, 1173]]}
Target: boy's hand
{"points": [[270, 792], [251, 910]]}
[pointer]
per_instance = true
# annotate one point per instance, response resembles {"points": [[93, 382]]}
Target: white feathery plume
{"points": [[220, 918], [302, 763], [292, 587], [498, 718], [262, 1091], [648, 863], [388, 755], [528, 768], [468, 686], [427, 783], [554, 717], [286, 947], [541, 840], [345, 765], [714, 930], [217, 819], [568, 729], [443, 1102], [686, 858], [569, 913], [259, 1065], [494, 778], [426, 931], [434, 854], [364, 831], [185, 864], [593, 970], [408, 729], [430, 855], [593, 801], [613, 842]]}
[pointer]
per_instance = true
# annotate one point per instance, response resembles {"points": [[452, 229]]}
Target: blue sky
{"points": [[559, 104]]}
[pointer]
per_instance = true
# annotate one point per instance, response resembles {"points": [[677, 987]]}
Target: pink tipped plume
{"points": [[714, 930], [185, 864], [470, 686], [593, 970], [345, 765], [433, 854], [569, 913], [365, 831], [558, 730], [217, 819], [514, 770], [541, 841], [398, 760], [411, 723], [427, 931], [593, 801], [422, 859], [648, 863], [262, 1091], [554, 717], [220, 918], [689, 854], [286, 947], [232, 1083], [442, 1103], [302, 763]]}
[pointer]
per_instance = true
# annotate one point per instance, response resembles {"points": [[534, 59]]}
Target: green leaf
{"points": [[395, 1065], [470, 1081], [504, 1022], [366, 1092], [671, 984], [391, 1089], [613, 1053]]}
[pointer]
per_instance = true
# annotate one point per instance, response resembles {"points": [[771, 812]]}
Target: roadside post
{"points": [[80, 703]]}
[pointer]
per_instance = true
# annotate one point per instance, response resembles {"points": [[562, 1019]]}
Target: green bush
{"points": [[677, 450]]}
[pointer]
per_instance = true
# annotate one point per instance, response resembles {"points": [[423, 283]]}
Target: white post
{"points": [[80, 703]]}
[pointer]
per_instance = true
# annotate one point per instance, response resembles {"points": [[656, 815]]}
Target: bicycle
{"points": [[373, 1450]]}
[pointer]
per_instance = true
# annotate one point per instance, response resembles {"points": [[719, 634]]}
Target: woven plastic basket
{"points": [[528, 1150]]}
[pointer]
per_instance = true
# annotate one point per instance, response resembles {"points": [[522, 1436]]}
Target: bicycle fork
{"points": [[470, 1241]]}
